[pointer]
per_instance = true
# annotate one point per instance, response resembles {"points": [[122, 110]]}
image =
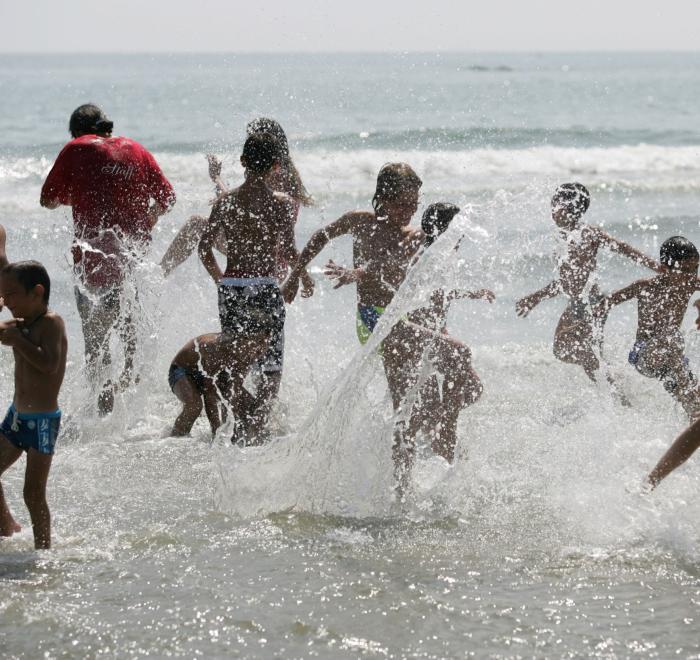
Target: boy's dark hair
{"points": [[260, 152], [436, 220], [676, 249], [29, 274], [88, 119], [393, 180], [291, 179], [574, 197]]}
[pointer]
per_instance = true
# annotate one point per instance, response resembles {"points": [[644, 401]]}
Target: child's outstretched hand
{"points": [[525, 305], [214, 167], [341, 274]]}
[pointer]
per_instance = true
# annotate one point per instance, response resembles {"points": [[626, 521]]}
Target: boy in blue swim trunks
{"points": [[661, 305], [38, 340]]}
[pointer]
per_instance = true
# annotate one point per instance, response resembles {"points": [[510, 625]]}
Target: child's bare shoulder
{"points": [[54, 321], [360, 219]]}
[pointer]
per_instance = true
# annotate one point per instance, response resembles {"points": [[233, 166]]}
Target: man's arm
{"points": [[161, 191], [627, 250], [57, 187], [206, 243], [526, 304], [319, 239], [46, 357]]}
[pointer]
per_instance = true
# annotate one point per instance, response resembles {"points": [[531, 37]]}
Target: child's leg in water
{"points": [[186, 391]]}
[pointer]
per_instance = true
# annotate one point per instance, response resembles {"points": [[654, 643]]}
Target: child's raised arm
{"points": [[319, 239], [627, 250]]}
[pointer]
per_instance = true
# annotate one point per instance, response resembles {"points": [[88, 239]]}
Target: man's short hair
{"points": [[676, 249], [260, 152], [88, 119], [574, 197], [29, 274], [436, 220]]}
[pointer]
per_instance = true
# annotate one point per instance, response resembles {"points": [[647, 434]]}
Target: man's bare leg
{"points": [[35, 478], [8, 455]]}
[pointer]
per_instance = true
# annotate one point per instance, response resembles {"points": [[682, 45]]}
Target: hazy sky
{"points": [[352, 25]]}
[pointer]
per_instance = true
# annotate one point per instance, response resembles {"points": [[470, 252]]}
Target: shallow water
{"points": [[536, 542]]}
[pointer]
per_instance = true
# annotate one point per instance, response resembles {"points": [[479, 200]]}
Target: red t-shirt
{"points": [[111, 183]]}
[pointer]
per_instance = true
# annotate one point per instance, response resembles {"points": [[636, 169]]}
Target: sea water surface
{"points": [[536, 543]]}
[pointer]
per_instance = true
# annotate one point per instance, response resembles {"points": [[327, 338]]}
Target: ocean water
{"points": [[536, 542]]}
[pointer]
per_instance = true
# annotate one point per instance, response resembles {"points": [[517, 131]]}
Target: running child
{"points": [[661, 305], [574, 338], [37, 336], [683, 447], [383, 246], [423, 334], [258, 226]]}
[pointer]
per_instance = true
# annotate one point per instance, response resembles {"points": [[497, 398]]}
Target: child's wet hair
{"points": [[260, 152], [292, 182], [676, 249], [436, 220], [393, 181], [574, 197], [89, 119], [29, 274]]}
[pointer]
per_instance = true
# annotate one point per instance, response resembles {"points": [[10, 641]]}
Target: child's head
{"points": [[261, 152], [679, 254], [397, 192], [290, 179], [88, 119], [569, 203], [436, 220], [25, 287]]}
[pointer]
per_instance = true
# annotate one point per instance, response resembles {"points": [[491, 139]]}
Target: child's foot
{"points": [[9, 527]]}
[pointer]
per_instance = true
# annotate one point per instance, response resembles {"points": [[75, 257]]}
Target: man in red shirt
{"points": [[117, 192]]}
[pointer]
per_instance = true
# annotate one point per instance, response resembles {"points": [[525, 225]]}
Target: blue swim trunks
{"points": [[31, 430]]}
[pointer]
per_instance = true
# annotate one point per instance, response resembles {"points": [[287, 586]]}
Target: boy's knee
{"points": [[34, 495]]}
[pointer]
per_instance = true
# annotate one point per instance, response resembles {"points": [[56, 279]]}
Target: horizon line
{"points": [[655, 51]]}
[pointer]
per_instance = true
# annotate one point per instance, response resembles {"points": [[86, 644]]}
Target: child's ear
{"points": [[39, 290]]}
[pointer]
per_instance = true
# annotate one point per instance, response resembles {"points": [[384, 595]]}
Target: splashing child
{"points": [[661, 305], [574, 337]]}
